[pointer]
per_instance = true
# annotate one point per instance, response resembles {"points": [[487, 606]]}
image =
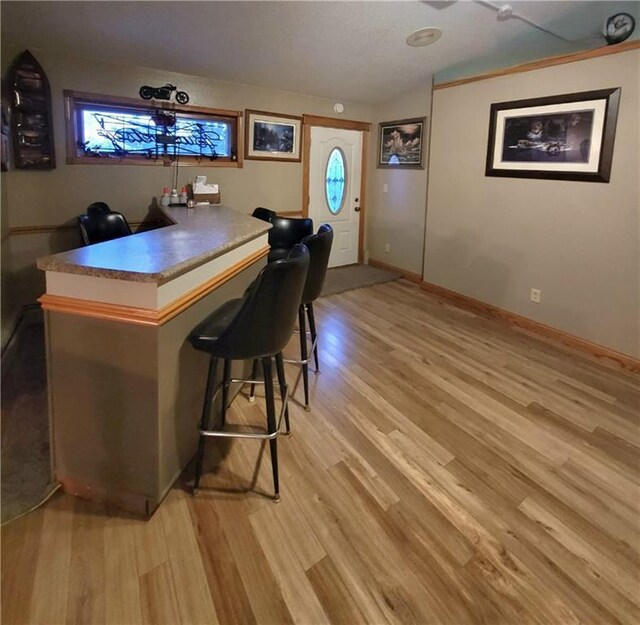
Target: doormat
{"points": [[351, 277]]}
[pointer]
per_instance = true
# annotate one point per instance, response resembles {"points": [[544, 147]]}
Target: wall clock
{"points": [[618, 27]]}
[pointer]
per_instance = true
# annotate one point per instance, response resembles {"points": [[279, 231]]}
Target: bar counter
{"points": [[125, 387]]}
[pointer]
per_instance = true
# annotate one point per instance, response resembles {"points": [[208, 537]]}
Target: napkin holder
{"points": [[204, 193]]}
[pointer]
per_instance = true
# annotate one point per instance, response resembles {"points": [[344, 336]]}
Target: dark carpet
{"points": [[24, 432], [351, 277]]}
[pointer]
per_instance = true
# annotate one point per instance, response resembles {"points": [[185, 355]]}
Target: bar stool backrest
{"points": [[319, 246], [264, 324], [287, 231], [98, 208], [97, 228], [265, 214]]}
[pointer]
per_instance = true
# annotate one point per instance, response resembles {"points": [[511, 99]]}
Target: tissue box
{"points": [[212, 198]]}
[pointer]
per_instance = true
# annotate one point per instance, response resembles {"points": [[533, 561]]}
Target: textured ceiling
{"points": [[353, 51]]}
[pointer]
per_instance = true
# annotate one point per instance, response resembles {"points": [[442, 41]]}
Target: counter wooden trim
{"points": [[542, 63], [603, 354], [145, 316]]}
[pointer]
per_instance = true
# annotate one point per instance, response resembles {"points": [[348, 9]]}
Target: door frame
{"points": [[308, 121]]}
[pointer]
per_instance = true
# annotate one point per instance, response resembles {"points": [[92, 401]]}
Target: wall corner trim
{"points": [[542, 63], [604, 355]]}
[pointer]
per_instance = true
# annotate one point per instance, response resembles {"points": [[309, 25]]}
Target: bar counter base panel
{"points": [[125, 398]]}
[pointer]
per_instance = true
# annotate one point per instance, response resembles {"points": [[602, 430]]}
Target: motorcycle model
{"points": [[163, 93]]}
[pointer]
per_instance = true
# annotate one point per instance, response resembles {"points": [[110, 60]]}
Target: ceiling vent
{"points": [[424, 37]]}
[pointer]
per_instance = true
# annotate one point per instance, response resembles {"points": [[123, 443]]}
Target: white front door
{"points": [[335, 161]]}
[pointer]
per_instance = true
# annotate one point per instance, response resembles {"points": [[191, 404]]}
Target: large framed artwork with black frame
{"points": [[562, 137]]}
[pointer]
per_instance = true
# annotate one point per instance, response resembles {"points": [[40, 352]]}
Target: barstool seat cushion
{"points": [[206, 333]]}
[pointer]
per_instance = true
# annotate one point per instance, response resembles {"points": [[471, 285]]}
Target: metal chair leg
{"points": [[303, 355], [204, 421], [283, 390], [314, 335], [271, 423], [254, 375], [226, 381]]}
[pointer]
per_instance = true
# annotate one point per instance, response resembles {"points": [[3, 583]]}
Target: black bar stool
{"points": [[319, 246], [257, 326], [265, 214], [285, 233], [97, 227]]}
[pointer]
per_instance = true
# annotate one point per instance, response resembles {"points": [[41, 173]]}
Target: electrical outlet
{"points": [[535, 295], [387, 248], [385, 188]]}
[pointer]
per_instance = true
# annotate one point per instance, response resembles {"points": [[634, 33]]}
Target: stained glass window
{"points": [[114, 132], [129, 131], [335, 181]]}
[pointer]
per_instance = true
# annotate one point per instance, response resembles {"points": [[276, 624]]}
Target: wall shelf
{"points": [[31, 120]]}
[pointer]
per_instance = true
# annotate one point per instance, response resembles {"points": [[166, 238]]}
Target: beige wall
{"points": [[494, 239], [56, 197], [397, 217]]}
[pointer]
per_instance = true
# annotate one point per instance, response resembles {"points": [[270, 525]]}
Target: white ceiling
{"points": [[352, 51]]}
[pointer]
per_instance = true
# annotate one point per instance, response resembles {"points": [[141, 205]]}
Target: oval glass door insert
{"points": [[335, 180]]}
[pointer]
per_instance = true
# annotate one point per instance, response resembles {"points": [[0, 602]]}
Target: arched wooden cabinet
{"points": [[31, 119]]}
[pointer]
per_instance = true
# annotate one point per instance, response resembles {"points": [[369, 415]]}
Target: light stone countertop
{"points": [[198, 235]]}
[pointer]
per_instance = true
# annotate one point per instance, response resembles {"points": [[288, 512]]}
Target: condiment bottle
{"points": [[165, 200], [174, 197], [183, 195]]}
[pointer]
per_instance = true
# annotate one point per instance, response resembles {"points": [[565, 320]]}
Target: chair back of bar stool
{"points": [[319, 246], [98, 208], [97, 228], [265, 214], [265, 322], [285, 233]]}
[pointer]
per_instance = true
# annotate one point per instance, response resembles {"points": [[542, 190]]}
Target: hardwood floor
{"points": [[451, 471]]}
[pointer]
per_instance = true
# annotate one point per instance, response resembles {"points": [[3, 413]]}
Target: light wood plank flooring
{"points": [[452, 471]]}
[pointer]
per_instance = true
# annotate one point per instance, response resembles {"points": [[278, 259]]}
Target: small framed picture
{"points": [[272, 137], [400, 143], [562, 137]]}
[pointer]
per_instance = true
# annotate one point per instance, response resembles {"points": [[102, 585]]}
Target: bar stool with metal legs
{"points": [[257, 326], [319, 246]]}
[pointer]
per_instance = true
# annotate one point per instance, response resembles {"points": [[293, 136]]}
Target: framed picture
{"points": [[563, 137], [272, 137], [400, 143]]}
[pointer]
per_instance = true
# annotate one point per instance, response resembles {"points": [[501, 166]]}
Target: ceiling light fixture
{"points": [[424, 37]]}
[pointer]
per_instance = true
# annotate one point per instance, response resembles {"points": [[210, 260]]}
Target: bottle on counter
{"points": [[183, 196], [174, 197], [165, 200]]}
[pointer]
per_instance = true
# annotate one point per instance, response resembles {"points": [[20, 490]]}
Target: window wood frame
{"points": [[72, 100]]}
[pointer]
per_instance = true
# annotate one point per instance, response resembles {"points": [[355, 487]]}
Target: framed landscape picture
{"points": [[272, 137], [563, 137], [400, 143]]}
